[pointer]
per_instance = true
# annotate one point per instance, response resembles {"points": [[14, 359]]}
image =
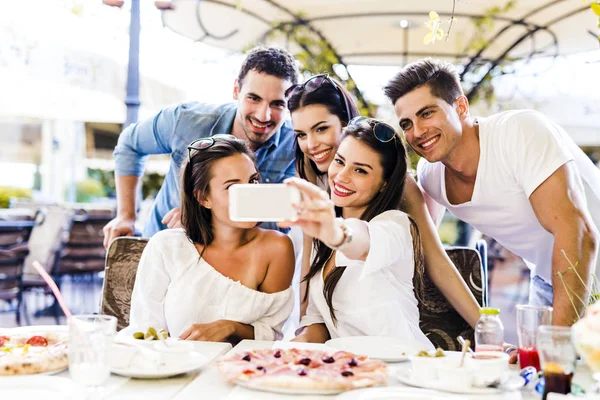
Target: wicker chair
{"points": [[122, 261], [439, 320], [15, 230]]}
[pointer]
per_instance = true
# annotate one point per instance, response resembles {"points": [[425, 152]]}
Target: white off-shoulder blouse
{"points": [[373, 297], [175, 288]]}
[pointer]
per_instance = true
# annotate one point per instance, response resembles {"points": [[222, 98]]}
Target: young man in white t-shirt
{"points": [[515, 176]]}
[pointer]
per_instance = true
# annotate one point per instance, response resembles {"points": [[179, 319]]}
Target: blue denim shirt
{"points": [[172, 130]]}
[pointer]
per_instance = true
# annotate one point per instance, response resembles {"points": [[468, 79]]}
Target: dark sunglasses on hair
{"points": [[204, 143], [313, 84], [382, 131]]}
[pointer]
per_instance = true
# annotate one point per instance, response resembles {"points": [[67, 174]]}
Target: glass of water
{"points": [[90, 340]]}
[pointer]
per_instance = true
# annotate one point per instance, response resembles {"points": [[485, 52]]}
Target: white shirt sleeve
{"points": [[269, 326], [390, 244], [313, 316], [534, 148], [150, 288]]}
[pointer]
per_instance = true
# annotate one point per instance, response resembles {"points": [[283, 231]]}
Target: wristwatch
{"points": [[347, 231]]}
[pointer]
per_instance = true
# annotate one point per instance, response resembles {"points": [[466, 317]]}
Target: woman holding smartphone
{"points": [[361, 276], [320, 108], [212, 279]]}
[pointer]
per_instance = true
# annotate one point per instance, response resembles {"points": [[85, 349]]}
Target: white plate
{"points": [[41, 387], [385, 348], [195, 362], [288, 390], [405, 378], [394, 393]]}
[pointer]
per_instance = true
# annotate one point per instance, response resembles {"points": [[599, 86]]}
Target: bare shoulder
{"points": [[275, 241], [278, 251]]}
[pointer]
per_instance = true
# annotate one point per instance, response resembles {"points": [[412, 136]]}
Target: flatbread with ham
{"points": [[303, 369]]}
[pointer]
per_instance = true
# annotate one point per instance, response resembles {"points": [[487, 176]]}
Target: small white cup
{"points": [[452, 376], [424, 368], [121, 355], [488, 366], [176, 353]]}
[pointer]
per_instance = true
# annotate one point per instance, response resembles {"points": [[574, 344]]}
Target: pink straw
{"points": [[54, 288]]}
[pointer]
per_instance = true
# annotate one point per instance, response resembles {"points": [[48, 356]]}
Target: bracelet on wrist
{"points": [[347, 234]]}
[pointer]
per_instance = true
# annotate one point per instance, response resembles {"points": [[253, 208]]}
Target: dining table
{"points": [[207, 383]]}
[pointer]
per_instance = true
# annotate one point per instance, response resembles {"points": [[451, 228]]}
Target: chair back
{"points": [[83, 250], [439, 320], [122, 262], [15, 230]]}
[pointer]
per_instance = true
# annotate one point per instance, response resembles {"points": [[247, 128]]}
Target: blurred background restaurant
{"points": [[71, 70]]}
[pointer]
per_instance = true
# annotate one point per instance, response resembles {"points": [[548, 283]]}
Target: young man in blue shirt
{"points": [[259, 117]]}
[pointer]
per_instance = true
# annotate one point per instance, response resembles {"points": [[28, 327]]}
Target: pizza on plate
{"points": [[29, 353], [303, 369]]}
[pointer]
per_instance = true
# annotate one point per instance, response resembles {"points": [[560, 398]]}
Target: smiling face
{"points": [[318, 133], [226, 172], [261, 106], [432, 126], [355, 176]]}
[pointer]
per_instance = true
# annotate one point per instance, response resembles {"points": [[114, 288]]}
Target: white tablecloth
{"points": [[208, 384]]}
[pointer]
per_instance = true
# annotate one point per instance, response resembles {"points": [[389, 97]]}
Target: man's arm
{"points": [[123, 224], [136, 142], [559, 205]]}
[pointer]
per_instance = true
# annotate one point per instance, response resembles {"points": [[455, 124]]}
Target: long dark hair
{"points": [[329, 97], [394, 161], [197, 173]]}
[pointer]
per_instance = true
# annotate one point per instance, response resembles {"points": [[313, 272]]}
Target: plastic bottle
{"points": [[489, 331]]}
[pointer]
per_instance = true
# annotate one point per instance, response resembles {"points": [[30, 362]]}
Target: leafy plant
{"points": [[316, 56], [595, 7], [594, 289], [8, 192], [151, 184], [107, 178], [88, 190]]}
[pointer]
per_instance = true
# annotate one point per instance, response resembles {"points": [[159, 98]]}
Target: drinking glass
{"points": [[558, 358], [529, 319], [90, 340]]}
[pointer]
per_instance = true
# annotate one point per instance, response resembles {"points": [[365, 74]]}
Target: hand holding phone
{"points": [[263, 202]]}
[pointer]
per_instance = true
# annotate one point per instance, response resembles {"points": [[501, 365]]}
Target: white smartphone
{"points": [[271, 202]]}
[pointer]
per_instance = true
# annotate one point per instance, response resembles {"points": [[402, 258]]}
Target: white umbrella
{"points": [[392, 32]]}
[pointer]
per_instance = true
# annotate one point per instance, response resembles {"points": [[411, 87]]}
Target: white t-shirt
{"points": [[175, 288], [519, 151], [373, 297]]}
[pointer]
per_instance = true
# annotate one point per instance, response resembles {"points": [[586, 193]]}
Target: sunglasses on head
{"points": [[204, 143], [382, 131], [315, 83]]}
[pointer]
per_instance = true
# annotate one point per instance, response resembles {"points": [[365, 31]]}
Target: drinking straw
{"points": [[61, 301], [466, 345]]}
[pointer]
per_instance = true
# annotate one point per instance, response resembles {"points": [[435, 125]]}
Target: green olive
{"points": [[163, 333], [138, 335], [439, 352], [423, 353], [151, 334]]}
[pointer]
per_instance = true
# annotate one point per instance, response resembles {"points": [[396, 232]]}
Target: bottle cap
{"points": [[489, 311]]}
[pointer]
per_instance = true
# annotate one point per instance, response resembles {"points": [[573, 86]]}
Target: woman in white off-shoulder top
{"points": [[214, 280], [361, 274]]}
